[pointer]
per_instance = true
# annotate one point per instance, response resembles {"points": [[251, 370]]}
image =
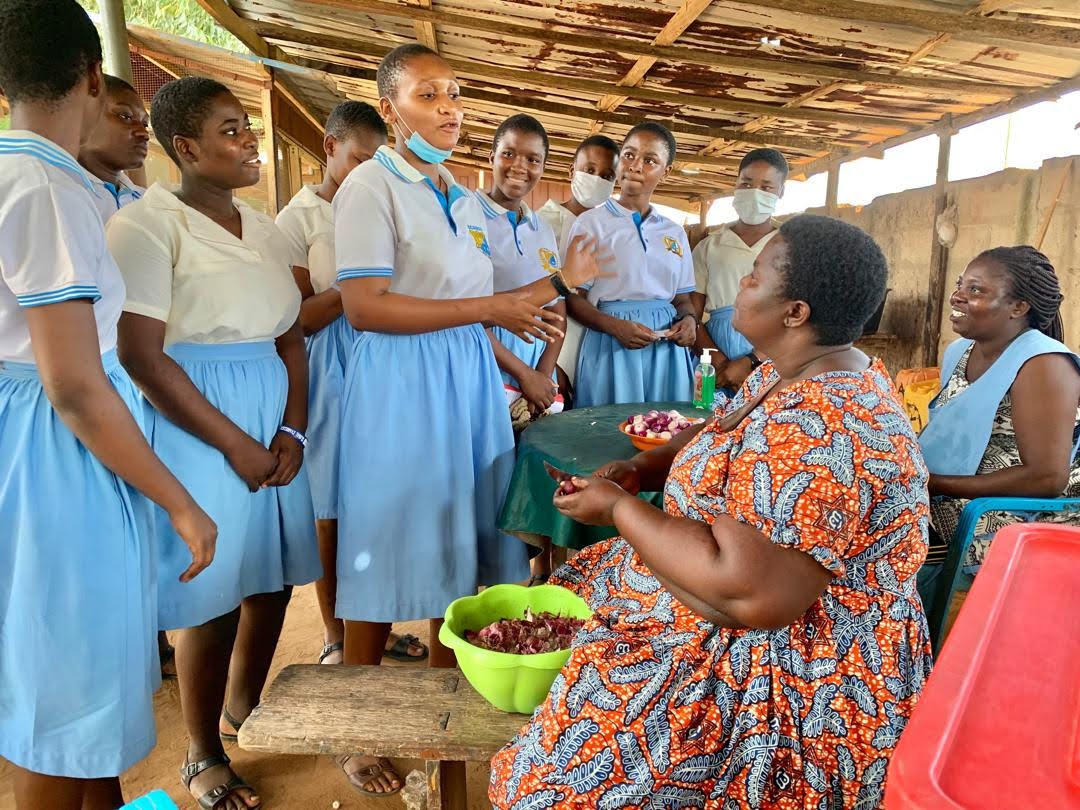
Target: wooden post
{"points": [[939, 253], [704, 204], [114, 29], [271, 144], [832, 190]]}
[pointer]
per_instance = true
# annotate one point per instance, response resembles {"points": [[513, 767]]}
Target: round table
{"points": [[578, 441]]}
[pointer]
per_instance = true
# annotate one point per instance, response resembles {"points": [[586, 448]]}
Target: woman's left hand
{"points": [[290, 457], [683, 332], [594, 502]]}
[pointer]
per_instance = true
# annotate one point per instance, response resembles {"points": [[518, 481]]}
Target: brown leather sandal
{"points": [[365, 776], [212, 798]]}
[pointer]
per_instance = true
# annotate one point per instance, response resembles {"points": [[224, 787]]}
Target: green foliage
{"points": [[184, 18]]}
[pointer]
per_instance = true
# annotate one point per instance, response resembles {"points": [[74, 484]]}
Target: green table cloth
{"points": [[578, 441]]}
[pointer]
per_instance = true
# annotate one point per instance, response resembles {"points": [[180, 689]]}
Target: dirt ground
{"points": [[283, 782]]}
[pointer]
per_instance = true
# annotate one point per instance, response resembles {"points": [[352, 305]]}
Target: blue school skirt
{"points": [[726, 337], [527, 353], [328, 353], [608, 373], [78, 653], [427, 452], [266, 539]]}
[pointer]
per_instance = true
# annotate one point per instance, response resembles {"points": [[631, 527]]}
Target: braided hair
{"points": [[1033, 280]]}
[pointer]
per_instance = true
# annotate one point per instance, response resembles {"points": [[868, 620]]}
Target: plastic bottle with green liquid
{"points": [[704, 381]]}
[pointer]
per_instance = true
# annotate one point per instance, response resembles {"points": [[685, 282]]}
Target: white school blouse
{"points": [[207, 286], [52, 246], [308, 223]]}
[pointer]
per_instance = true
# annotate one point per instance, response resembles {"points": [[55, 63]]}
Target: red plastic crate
{"points": [[998, 725]]}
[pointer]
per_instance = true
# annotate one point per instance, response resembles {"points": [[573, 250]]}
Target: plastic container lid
{"points": [[998, 725]]}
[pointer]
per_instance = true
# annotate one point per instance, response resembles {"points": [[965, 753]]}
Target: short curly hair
{"points": [[838, 270], [393, 65], [660, 131], [771, 156], [46, 47], [180, 108], [521, 123], [350, 116]]}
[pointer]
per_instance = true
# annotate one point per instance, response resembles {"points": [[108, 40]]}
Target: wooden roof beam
{"points": [[425, 30], [562, 83], [964, 26], [682, 19], [669, 53], [955, 123]]}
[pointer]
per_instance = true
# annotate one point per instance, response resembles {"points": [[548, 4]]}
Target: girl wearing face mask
{"points": [[639, 321], [592, 182], [727, 254], [426, 449]]}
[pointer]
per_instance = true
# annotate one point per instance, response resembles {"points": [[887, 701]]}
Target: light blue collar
{"points": [[23, 142]]}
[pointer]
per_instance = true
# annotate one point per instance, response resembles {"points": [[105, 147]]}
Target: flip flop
{"points": [[400, 650], [364, 776]]}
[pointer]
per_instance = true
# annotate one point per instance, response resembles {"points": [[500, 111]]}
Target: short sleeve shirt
{"points": [[651, 256], [560, 220], [110, 198], [390, 221], [52, 246], [523, 249], [308, 223], [206, 285], [720, 260]]}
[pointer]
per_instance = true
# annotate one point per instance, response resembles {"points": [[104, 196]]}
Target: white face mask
{"points": [[755, 206], [591, 190]]}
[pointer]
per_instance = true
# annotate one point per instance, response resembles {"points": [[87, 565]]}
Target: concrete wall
{"points": [[1005, 208]]}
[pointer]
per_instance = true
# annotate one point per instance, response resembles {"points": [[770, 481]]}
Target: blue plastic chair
{"points": [[952, 577]]}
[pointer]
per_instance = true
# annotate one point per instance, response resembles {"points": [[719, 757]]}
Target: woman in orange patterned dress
{"points": [[760, 642]]}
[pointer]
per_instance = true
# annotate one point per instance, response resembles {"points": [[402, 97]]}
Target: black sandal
{"points": [[330, 649], [400, 650], [212, 797], [232, 721], [167, 655]]}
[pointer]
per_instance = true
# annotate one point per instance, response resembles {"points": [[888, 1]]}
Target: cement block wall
{"points": [[1005, 208]]}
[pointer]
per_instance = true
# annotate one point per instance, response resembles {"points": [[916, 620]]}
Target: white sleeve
{"points": [[146, 264], [685, 283], [291, 224], [701, 266], [365, 235], [51, 246]]}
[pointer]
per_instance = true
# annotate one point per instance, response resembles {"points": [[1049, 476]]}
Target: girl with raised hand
{"points": [[426, 447]]}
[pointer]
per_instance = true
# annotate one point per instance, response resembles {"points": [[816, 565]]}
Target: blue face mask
{"points": [[421, 147]]}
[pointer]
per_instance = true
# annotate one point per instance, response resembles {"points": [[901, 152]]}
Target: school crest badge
{"points": [[549, 259], [672, 245], [480, 240]]}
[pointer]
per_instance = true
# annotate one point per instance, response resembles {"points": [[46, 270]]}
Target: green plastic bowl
{"points": [[511, 683]]}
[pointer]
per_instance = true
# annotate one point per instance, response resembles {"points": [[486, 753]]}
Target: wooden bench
{"points": [[417, 713]]}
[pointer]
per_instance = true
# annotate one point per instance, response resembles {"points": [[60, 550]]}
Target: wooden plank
{"points": [[240, 28], [939, 257], [957, 122], [393, 712], [977, 28], [425, 30], [446, 785], [682, 19], [301, 107], [270, 136], [770, 65], [832, 190], [562, 83]]}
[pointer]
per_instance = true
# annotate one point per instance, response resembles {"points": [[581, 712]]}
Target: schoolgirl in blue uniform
{"points": [[426, 444], [78, 659], [211, 336], [354, 130], [523, 250], [640, 320]]}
